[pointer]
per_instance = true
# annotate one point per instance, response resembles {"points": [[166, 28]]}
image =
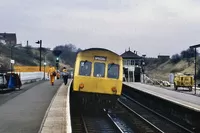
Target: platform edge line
{"points": [[68, 125]]}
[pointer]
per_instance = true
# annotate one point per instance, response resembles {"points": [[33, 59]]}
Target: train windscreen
{"points": [[113, 71], [85, 68], [99, 69]]}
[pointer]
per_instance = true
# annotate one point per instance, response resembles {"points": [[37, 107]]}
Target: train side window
{"points": [[113, 71], [99, 69], [85, 68]]}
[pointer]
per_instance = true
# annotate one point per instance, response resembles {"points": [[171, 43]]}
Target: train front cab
{"points": [[97, 82]]}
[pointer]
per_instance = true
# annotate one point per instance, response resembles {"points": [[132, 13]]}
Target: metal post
{"points": [[40, 54], [143, 74], [128, 76], [44, 71], [40, 42], [195, 64], [143, 65], [11, 59]]}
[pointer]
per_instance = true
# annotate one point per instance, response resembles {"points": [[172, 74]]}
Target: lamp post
{"points": [[195, 62], [44, 69], [45, 54], [40, 42]]}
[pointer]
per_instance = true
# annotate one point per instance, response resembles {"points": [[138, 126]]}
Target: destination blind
{"points": [[101, 58]]}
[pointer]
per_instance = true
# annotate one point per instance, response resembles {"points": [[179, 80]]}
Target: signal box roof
{"points": [[130, 55]]}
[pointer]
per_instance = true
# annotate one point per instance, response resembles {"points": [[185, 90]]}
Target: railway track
{"points": [[88, 121], [150, 121], [98, 123]]}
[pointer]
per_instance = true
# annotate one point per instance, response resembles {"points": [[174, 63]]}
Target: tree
{"points": [[175, 58], [189, 53], [69, 52]]}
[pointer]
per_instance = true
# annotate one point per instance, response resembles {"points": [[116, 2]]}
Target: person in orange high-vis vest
{"points": [[52, 74]]}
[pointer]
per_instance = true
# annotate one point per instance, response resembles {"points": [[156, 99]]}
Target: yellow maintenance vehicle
{"points": [[183, 80]]}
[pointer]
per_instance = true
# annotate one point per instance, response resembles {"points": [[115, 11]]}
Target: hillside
{"points": [[163, 70], [179, 63], [29, 56]]}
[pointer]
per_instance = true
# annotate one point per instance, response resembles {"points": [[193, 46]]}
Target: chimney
{"points": [[129, 49]]}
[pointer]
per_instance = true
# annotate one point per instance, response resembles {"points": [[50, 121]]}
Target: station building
{"points": [[132, 66]]}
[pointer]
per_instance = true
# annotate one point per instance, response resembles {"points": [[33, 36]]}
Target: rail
{"points": [[95, 123], [154, 119]]}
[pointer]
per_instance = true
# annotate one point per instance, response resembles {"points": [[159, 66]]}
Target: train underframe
{"points": [[95, 101]]}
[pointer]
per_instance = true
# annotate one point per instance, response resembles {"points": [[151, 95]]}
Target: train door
{"points": [[99, 74]]}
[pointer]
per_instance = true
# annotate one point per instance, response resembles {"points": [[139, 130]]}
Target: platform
{"points": [[186, 100], [57, 118]]}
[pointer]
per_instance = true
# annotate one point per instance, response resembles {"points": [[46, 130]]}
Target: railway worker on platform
{"points": [[65, 75], [52, 74]]}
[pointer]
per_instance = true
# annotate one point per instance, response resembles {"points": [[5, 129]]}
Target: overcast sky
{"points": [[147, 26]]}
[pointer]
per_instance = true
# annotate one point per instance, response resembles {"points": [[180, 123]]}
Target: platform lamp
{"points": [[44, 69], [40, 43], [195, 62]]}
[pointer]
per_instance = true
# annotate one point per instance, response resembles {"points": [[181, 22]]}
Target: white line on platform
{"points": [[68, 126]]}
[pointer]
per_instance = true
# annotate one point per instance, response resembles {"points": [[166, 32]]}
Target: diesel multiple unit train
{"points": [[98, 75]]}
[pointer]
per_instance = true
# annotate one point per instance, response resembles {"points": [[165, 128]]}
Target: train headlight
{"points": [[81, 86], [114, 90]]}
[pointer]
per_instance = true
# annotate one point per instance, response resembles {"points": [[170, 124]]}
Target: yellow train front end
{"points": [[98, 77]]}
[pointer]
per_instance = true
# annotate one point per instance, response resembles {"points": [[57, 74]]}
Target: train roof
{"points": [[101, 49]]}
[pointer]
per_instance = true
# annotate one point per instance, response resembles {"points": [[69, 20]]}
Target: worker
{"points": [[52, 74], [65, 75]]}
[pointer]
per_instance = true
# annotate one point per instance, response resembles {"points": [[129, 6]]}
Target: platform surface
{"points": [[57, 118], [186, 100], [22, 111]]}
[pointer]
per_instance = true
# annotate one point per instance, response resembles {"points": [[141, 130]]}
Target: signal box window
{"points": [[113, 71], [99, 69], [85, 68]]}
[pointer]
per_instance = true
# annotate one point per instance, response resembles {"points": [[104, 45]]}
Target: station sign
{"points": [[12, 61]]}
